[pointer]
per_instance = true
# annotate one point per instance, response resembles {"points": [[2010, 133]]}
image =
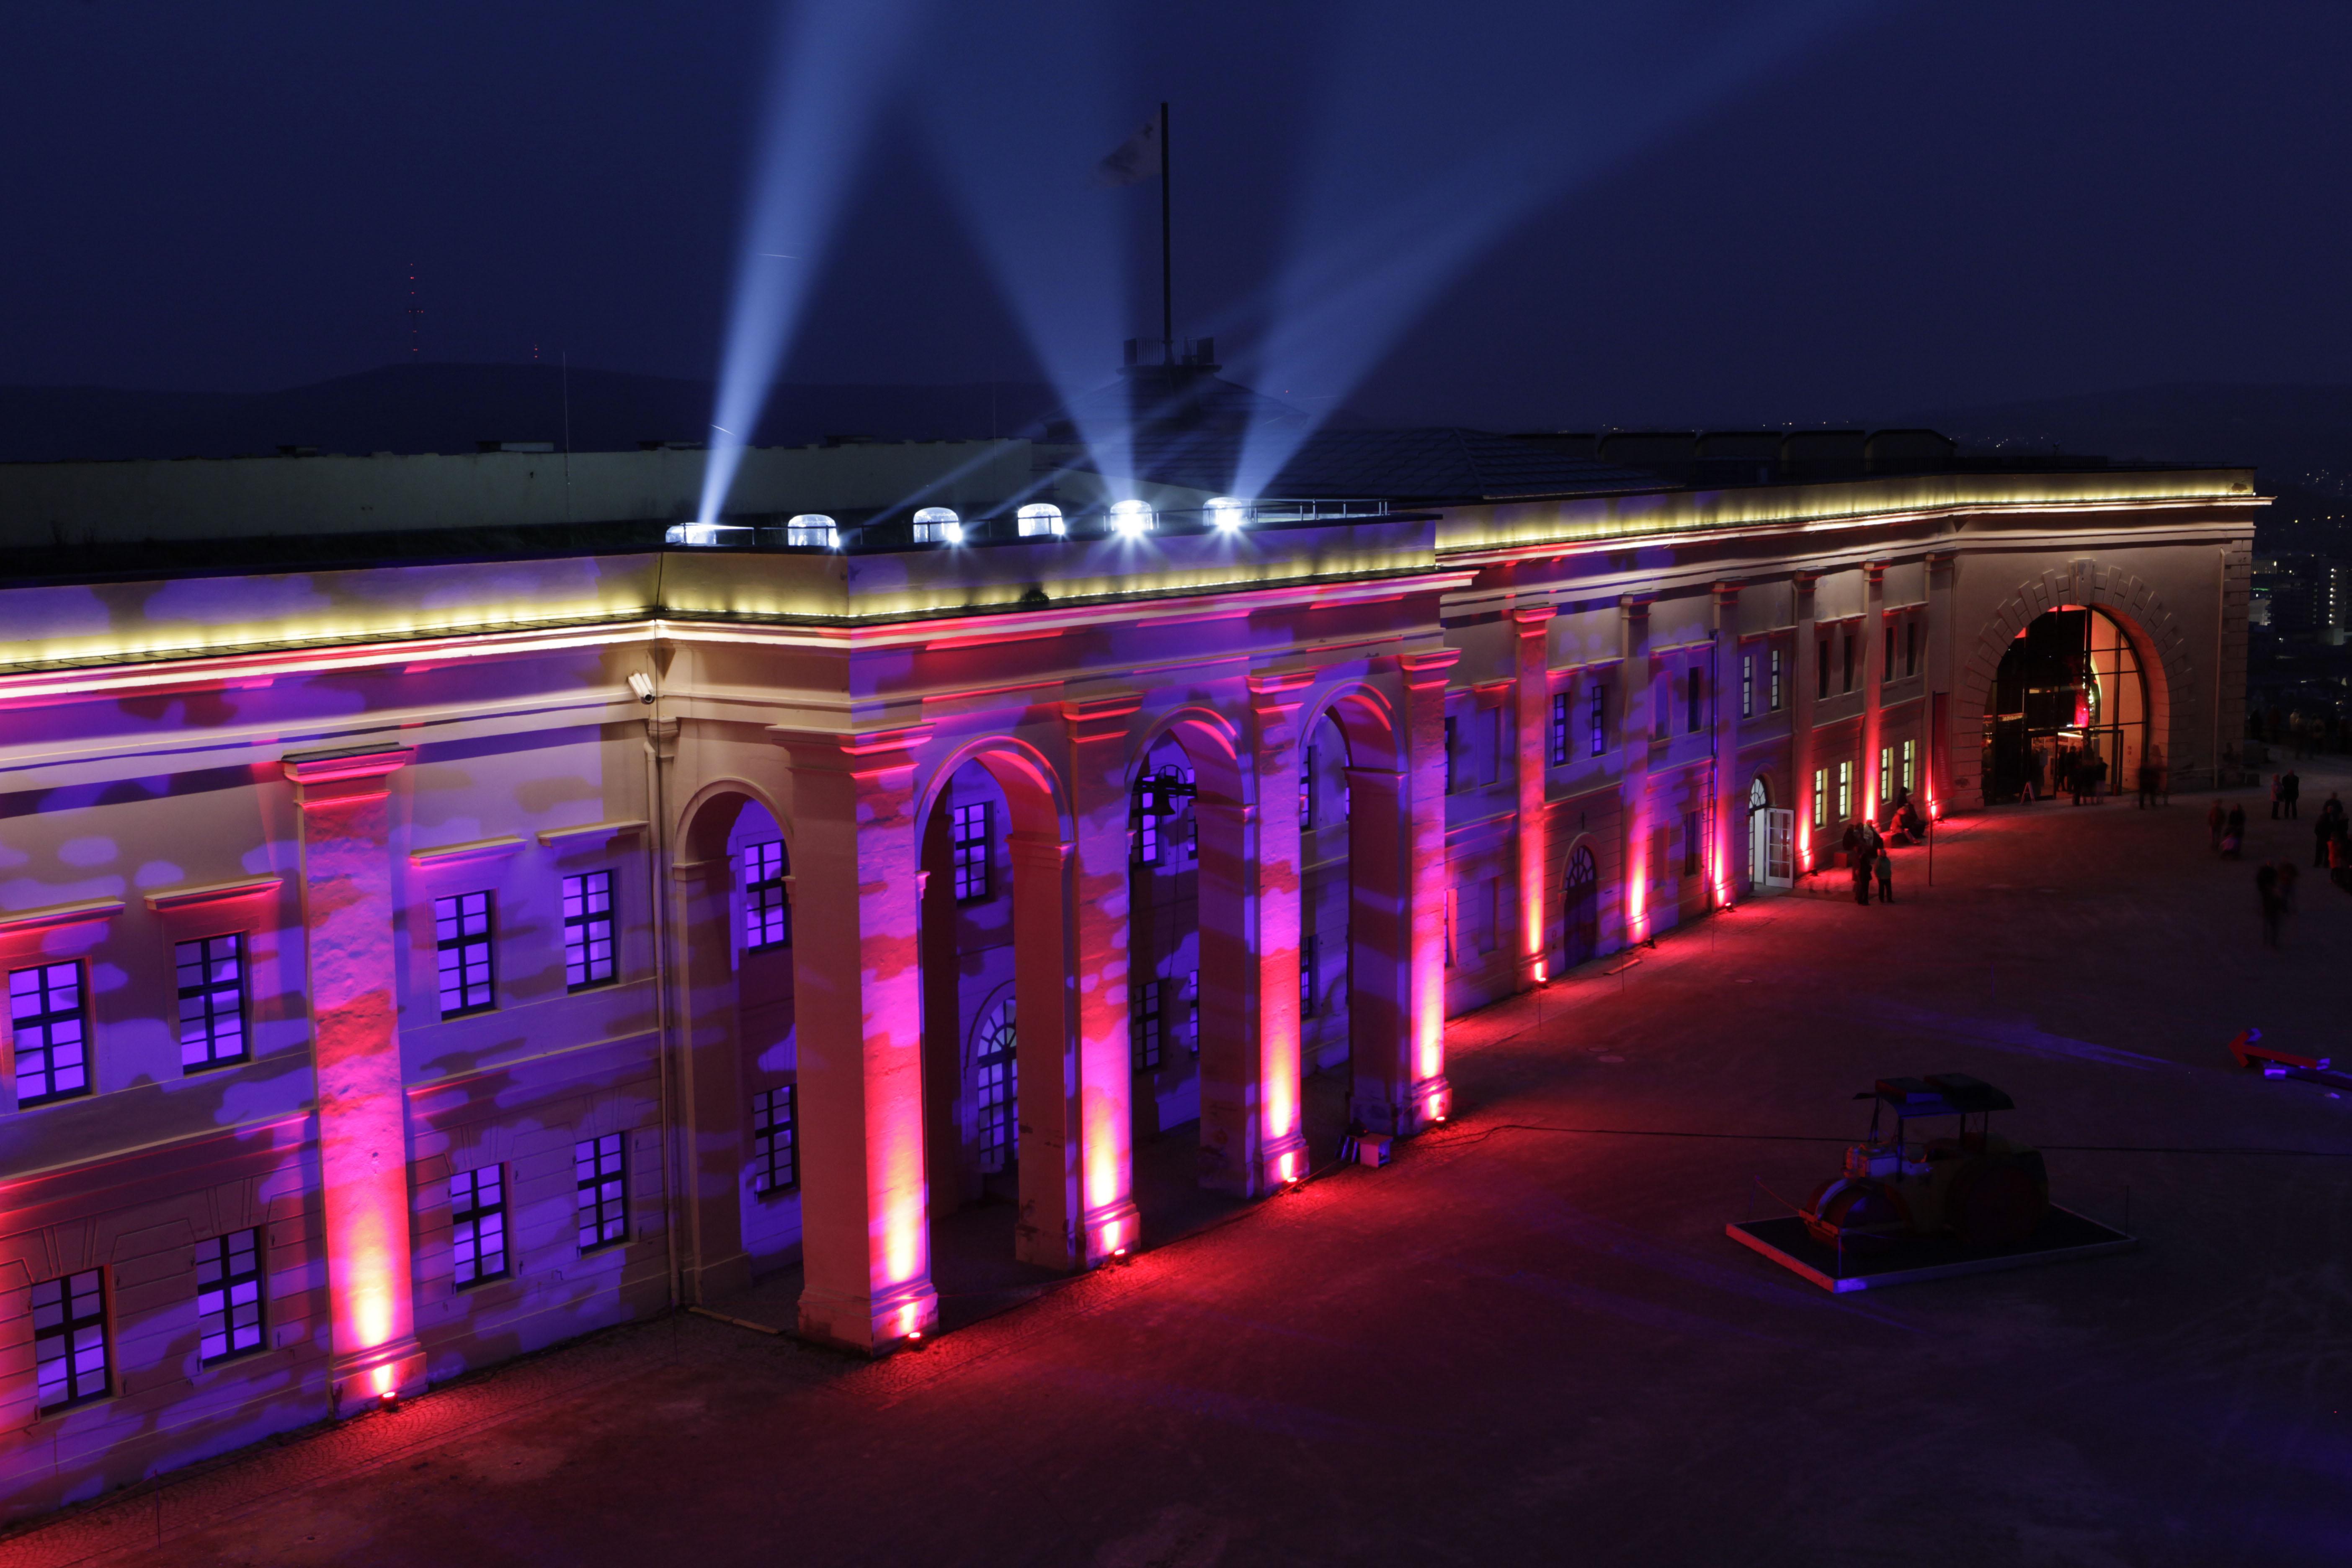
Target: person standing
{"points": [[2324, 826], [2293, 781], [1857, 839], [2233, 831], [2266, 890], [1881, 863], [2278, 795]]}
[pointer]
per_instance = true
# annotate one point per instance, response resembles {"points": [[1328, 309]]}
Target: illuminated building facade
{"points": [[411, 963]]}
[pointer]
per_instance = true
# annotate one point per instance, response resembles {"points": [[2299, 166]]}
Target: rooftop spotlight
{"points": [[705, 533], [938, 525], [813, 528], [1041, 518], [1130, 519], [1228, 514]]}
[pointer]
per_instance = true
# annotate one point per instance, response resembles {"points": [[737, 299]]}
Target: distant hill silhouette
{"points": [[451, 407]]}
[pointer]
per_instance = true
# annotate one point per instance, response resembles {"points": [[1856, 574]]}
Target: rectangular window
{"points": [[1452, 739], [1306, 791], [1143, 1026], [1776, 697], [1910, 755], [1560, 729], [775, 1140], [600, 1176], [1845, 791], [70, 1349], [461, 925], [1662, 700], [972, 851], [1307, 977], [1748, 685], [1694, 699], [1910, 647], [767, 898], [588, 930], [1821, 798], [1690, 842], [477, 1226], [52, 1037], [212, 1001], [1823, 669], [1597, 715], [1886, 773], [229, 1296], [1453, 907], [1850, 642], [1193, 1014], [1887, 671]]}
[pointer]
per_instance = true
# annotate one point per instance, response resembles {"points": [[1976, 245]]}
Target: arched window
{"points": [[997, 1074]]}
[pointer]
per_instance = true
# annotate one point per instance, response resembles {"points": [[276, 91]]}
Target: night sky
{"points": [[1509, 214]]}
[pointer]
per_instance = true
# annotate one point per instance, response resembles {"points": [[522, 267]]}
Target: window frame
{"points": [[1821, 693], [207, 992], [1307, 964], [467, 1221], [1559, 730], [1146, 1037], [971, 850], [223, 1250], [767, 897], [1821, 798], [586, 921], [1597, 713], [64, 1332], [603, 1192], [1748, 685], [460, 944], [776, 1141], [46, 1020], [1779, 693], [1694, 699]]}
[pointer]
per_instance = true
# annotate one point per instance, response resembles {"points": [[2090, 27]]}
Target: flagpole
{"points": [[1167, 254]]}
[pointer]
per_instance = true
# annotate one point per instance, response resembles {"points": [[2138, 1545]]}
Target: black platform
{"points": [[2063, 1235]]}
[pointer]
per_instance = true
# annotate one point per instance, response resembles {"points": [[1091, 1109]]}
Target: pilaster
{"points": [[857, 1014], [1096, 729], [1530, 737], [1806, 669], [1873, 685], [1633, 770], [347, 913], [1728, 842]]}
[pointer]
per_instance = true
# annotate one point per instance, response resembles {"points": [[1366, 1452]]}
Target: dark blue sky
{"points": [[1722, 213]]}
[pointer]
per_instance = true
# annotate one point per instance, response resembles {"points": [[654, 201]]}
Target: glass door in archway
{"points": [[1581, 924]]}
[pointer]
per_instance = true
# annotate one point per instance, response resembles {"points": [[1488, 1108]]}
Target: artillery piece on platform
{"points": [[1981, 1190]]}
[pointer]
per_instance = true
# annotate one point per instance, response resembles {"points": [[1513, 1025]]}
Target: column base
{"points": [[360, 1380], [1112, 1231], [707, 1283], [876, 1324], [1285, 1161]]}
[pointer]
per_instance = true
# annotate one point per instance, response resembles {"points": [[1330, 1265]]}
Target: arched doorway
{"points": [[999, 1043], [1581, 912], [2070, 707]]}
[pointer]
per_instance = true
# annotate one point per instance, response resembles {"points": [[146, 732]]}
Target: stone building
{"points": [[421, 954]]}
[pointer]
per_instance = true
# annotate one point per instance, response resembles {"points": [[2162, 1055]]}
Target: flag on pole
{"points": [[1136, 160]]}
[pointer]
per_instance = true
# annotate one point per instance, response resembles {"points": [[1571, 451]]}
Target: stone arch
{"points": [[716, 1083], [1038, 840], [2156, 634], [1367, 721]]}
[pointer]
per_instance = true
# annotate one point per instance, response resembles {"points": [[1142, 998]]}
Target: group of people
{"points": [[2274, 881], [2074, 771], [2286, 794], [1868, 856]]}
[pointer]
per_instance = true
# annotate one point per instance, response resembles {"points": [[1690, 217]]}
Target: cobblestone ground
{"points": [[1537, 1345]]}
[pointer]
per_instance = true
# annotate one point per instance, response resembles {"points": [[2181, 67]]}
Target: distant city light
{"points": [[1228, 513], [1041, 518], [938, 525], [1130, 519]]}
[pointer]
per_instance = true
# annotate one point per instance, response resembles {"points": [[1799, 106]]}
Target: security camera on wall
{"points": [[643, 685]]}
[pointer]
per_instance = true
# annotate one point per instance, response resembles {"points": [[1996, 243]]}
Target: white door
{"points": [[1780, 848]]}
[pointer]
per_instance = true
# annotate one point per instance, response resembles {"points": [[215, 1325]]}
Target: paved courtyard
{"points": [[1529, 1340]]}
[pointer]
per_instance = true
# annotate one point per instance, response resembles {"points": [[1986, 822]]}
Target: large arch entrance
{"points": [[740, 1068], [2070, 709], [1001, 1150]]}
